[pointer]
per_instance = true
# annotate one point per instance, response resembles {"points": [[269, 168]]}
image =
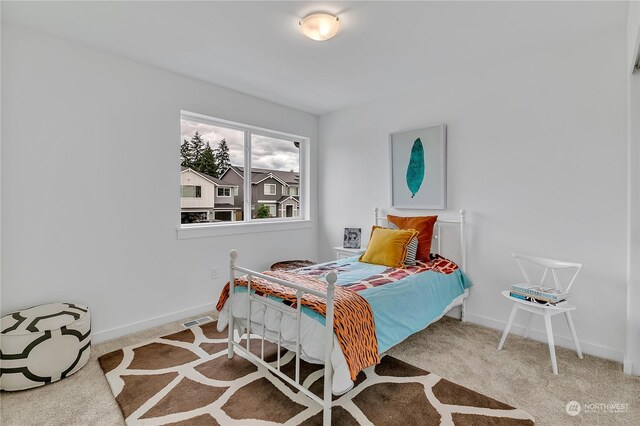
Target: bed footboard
{"points": [[294, 313]]}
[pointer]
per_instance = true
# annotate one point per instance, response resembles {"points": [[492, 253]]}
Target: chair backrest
{"points": [[548, 265]]}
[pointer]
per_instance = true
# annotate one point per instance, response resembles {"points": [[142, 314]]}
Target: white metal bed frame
{"points": [[296, 313], [461, 221]]}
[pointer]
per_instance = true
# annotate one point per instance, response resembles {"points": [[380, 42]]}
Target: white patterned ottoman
{"points": [[43, 344]]}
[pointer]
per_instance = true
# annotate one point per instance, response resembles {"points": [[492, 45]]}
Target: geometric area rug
{"points": [[186, 379]]}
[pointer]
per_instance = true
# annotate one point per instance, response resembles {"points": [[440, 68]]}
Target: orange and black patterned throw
{"points": [[352, 321]]}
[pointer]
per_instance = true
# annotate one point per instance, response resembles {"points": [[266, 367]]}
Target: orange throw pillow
{"points": [[424, 225]]}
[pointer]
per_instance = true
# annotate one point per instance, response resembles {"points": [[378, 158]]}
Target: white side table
{"points": [[343, 253], [547, 312], [533, 308]]}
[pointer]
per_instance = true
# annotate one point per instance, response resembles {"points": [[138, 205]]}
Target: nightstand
{"points": [[343, 253]]}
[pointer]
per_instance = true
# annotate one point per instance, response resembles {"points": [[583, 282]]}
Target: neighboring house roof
{"points": [[258, 175], [232, 169], [210, 178], [287, 197]]}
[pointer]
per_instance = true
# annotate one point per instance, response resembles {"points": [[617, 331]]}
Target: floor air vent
{"points": [[198, 321]]}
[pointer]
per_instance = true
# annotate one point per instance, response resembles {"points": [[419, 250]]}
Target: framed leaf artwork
{"points": [[418, 168]]}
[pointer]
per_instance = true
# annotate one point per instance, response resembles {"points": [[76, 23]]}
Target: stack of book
{"points": [[538, 294]]}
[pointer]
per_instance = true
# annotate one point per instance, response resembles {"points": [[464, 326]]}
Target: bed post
{"points": [[233, 256], [463, 246], [375, 216], [328, 349]]}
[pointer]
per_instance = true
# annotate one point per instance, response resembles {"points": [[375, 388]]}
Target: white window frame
{"points": [[270, 185], [249, 225], [224, 190], [297, 190]]}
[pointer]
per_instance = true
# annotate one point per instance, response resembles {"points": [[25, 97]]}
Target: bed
{"points": [[402, 301]]}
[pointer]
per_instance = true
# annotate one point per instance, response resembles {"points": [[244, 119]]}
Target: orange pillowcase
{"points": [[424, 225]]}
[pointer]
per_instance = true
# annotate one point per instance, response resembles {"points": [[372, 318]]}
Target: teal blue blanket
{"points": [[401, 307]]}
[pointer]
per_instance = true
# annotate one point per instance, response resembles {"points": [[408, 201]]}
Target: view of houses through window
{"points": [[212, 174]]}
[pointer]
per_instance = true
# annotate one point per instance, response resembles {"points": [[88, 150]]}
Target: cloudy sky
{"points": [[266, 153]]}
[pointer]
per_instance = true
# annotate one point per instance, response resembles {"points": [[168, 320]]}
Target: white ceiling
{"points": [[256, 48]]}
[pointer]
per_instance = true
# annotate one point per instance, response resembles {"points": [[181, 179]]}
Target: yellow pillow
{"points": [[388, 246]]}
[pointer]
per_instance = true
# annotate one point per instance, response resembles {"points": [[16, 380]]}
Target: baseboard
{"points": [[113, 333], [563, 341]]}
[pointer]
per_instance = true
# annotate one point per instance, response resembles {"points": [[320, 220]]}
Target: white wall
{"points": [[536, 154], [633, 32], [632, 354], [69, 111]]}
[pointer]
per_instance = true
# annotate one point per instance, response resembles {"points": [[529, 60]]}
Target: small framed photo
{"points": [[352, 238]]}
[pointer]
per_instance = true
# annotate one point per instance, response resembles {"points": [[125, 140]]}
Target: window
{"points": [[275, 159], [191, 191], [244, 163], [269, 189], [207, 152]]}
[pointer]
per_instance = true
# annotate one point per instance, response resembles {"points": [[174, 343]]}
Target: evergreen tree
{"points": [[196, 147], [191, 151], [223, 161], [207, 163], [185, 154]]}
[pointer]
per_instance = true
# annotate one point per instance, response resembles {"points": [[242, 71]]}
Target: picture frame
{"points": [[352, 238], [418, 168]]}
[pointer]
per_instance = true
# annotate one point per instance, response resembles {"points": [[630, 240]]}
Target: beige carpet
{"points": [[185, 378], [520, 376]]}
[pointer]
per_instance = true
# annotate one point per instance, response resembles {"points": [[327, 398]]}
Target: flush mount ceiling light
{"points": [[320, 26]]}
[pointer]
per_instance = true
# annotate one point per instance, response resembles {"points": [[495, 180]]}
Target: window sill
{"points": [[207, 230]]}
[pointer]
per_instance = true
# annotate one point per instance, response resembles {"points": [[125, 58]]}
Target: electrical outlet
{"points": [[214, 273]]}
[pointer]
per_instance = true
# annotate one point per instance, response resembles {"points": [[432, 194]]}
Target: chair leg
{"points": [[567, 315], [552, 348], [512, 316], [528, 326]]}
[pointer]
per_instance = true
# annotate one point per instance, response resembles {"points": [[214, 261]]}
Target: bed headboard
{"points": [[460, 221]]}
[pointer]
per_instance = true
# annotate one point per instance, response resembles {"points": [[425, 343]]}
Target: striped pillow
{"points": [[412, 250]]}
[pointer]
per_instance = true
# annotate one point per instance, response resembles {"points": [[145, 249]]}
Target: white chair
{"points": [[547, 311]]}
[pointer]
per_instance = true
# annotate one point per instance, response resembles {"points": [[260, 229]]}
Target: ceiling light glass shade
{"points": [[320, 26]]}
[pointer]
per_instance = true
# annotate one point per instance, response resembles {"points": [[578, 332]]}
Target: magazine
{"points": [[547, 294], [532, 299]]}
